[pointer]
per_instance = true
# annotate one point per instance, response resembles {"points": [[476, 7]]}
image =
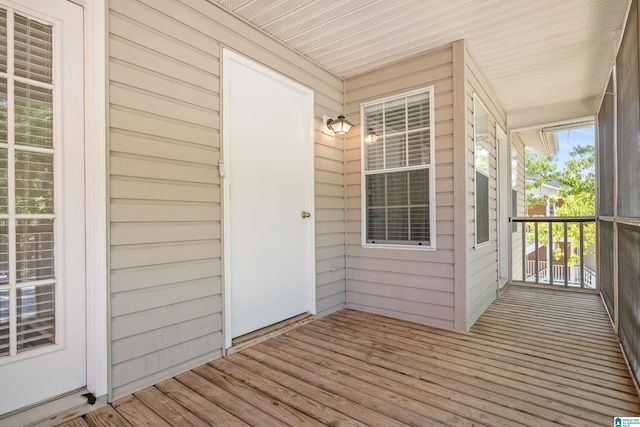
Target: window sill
{"points": [[401, 247]]}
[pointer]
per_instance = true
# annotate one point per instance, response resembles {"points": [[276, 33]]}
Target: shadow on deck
{"points": [[536, 357]]}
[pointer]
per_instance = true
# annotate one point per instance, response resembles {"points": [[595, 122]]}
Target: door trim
{"points": [[504, 193], [227, 57], [96, 120]]}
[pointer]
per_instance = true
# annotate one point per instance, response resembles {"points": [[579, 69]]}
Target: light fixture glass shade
{"points": [[340, 126]]}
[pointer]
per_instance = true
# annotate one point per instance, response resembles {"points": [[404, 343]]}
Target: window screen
{"points": [[398, 173]]}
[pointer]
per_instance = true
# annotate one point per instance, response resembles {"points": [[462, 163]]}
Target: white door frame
{"points": [[502, 148], [227, 57], [95, 33]]}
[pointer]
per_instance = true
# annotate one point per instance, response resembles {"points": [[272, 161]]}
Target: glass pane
{"points": [[4, 252], [33, 49], [419, 148], [395, 116], [4, 323], [396, 151], [34, 116], [418, 109], [376, 224], [420, 224], [398, 219], [482, 208], [3, 40], [419, 187], [3, 110], [397, 189], [373, 119], [34, 250], [373, 156], [482, 159], [4, 201], [34, 183], [375, 190], [36, 317]]}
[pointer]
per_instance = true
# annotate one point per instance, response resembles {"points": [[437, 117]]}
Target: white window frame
{"points": [[431, 167], [477, 245]]}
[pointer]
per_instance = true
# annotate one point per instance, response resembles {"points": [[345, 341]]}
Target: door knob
{"points": [[306, 214]]}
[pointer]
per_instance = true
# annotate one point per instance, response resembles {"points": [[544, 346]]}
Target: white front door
{"points": [[268, 151], [42, 246]]}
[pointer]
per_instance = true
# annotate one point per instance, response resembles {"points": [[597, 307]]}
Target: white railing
{"points": [[558, 242], [573, 278]]}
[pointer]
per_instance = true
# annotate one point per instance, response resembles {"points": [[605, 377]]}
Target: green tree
{"points": [[576, 181]]}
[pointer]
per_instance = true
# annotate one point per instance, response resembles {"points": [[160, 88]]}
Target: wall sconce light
{"points": [[340, 126], [370, 137]]}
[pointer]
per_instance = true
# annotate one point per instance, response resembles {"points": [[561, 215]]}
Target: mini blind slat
{"points": [[418, 112], [4, 191], [34, 183], [33, 49], [419, 148], [3, 110], [35, 258], [396, 148], [374, 156], [36, 316], [33, 116], [3, 40]]}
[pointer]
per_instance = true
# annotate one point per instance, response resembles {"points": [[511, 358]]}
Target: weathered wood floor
{"points": [[535, 358]]}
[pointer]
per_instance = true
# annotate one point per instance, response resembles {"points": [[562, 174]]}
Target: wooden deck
{"points": [[536, 358]]}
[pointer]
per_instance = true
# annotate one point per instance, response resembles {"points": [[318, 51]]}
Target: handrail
{"points": [[553, 219]]}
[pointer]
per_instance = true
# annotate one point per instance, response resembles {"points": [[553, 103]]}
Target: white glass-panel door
{"points": [[42, 249]]}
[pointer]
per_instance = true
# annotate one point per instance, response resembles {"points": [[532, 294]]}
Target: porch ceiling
{"points": [[534, 53]]}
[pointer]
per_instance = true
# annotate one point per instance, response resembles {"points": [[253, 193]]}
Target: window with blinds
{"points": [[398, 171], [482, 170], [28, 284]]}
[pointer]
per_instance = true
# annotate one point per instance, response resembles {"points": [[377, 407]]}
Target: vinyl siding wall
{"points": [[165, 234], [482, 262], [517, 148], [406, 284]]}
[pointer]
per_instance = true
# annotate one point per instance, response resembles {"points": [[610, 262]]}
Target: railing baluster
{"points": [[537, 253], [524, 253], [582, 255], [566, 258], [550, 270]]}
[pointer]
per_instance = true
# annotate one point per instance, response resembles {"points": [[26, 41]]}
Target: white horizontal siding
{"points": [[165, 189], [482, 262], [412, 285]]}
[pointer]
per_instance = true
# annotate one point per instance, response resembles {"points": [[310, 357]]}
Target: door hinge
{"points": [[221, 168]]}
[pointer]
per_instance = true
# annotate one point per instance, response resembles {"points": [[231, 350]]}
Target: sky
{"points": [[570, 138]]}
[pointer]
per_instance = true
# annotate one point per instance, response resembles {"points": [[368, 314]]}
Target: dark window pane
{"points": [[482, 208], [397, 221]]}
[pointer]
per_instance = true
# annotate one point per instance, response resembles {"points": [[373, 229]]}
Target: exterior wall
{"points": [[482, 262], [164, 136], [518, 149], [408, 284]]}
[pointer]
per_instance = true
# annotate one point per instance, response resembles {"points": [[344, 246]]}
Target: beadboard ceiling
{"points": [[533, 52]]}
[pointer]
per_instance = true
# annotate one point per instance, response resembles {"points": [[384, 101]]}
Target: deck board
{"points": [[536, 357]]}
